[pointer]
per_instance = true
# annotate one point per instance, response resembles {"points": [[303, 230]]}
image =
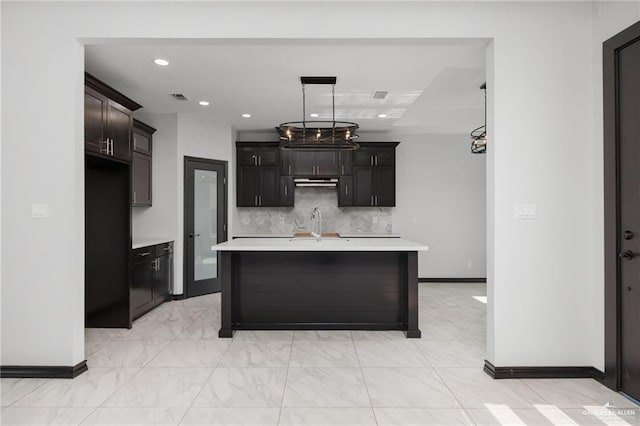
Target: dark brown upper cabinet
{"points": [[373, 176], [258, 175], [310, 163], [108, 120], [142, 176]]}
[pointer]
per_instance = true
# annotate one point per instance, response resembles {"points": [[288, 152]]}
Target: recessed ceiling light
{"points": [[246, 115], [161, 62], [204, 103], [314, 115], [382, 115]]}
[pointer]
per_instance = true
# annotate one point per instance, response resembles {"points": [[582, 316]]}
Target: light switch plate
{"points": [[525, 211], [39, 211]]}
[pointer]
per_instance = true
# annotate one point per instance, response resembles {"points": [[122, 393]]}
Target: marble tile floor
{"points": [[171, 369]]}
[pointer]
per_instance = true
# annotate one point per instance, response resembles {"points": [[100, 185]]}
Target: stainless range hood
{"points": [[316, 182]]}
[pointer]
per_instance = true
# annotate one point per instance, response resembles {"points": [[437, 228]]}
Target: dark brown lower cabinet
{"points": [[152, 277]]}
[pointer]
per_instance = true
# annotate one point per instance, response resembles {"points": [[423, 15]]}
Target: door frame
{"points": [[187, 210], [612, 302]]}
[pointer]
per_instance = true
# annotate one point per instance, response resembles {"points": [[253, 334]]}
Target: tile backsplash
{"points": [[287, 220]]}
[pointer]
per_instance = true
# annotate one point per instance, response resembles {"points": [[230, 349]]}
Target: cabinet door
{"points": [[141, 179], [326, 163], [345, 194], [119, 129], [286, 191], [269, 195], [247, 187], [286, 162], [247, 156], [162, 279], [363, 156], [362, 186], [141, 142], [95, 107], [345, 163], [385, 157], [384, 186], [269, 156], [142, 283], [304, 164]]}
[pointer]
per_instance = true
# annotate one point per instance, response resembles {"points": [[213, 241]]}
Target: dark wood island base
{"points": [[319, 290]]}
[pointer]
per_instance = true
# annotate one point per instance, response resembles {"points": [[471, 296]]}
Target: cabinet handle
{"points": [[285, 190], [372, 200], [376, 198], [376, 160], [289, 169], [146, 253], [255, 200], [259, 160], [134, 197], [259, 200], [342, 169], [166, 248], [346, 190]]}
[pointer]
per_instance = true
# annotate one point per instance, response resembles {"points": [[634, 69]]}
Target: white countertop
{"points": [[146, 242], [326, 244], [350, 235]]}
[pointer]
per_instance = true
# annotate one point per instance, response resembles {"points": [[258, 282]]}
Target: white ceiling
{"points": [[433, 85]]}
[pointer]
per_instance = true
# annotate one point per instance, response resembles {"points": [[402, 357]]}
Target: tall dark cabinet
{"points": [[108, 129]]}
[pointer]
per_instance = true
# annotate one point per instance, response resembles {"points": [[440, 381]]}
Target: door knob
{"points": [[627, 235], [193, 235], [627, 254], [628, 288]]}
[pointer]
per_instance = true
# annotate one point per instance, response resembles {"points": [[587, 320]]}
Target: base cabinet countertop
{"points": [[146, 242]]}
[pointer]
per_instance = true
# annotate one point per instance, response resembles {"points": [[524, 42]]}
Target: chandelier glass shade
{"points": [[318, 135]]}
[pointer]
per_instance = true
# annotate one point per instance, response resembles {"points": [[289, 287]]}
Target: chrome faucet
{"points": [[316, 215]]}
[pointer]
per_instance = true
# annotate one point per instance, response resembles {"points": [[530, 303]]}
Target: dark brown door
{"points": [[120, 122], [384, 185], [629, 221], [141, 169], [95, 107], [363, 186], [269, 183]]}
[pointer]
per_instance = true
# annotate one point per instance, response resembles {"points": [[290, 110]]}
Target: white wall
{"points": [[161, 219], [441, 202], [544, 146]]}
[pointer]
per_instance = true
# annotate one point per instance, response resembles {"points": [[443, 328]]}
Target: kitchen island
{"points": [[331, 284]]}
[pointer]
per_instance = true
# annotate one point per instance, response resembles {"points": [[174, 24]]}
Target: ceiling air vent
{"points": [[179, 96], [379, 94]]}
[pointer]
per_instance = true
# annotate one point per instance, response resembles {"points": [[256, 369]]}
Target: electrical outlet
{"points": [[525, 211], [39, 211]]}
